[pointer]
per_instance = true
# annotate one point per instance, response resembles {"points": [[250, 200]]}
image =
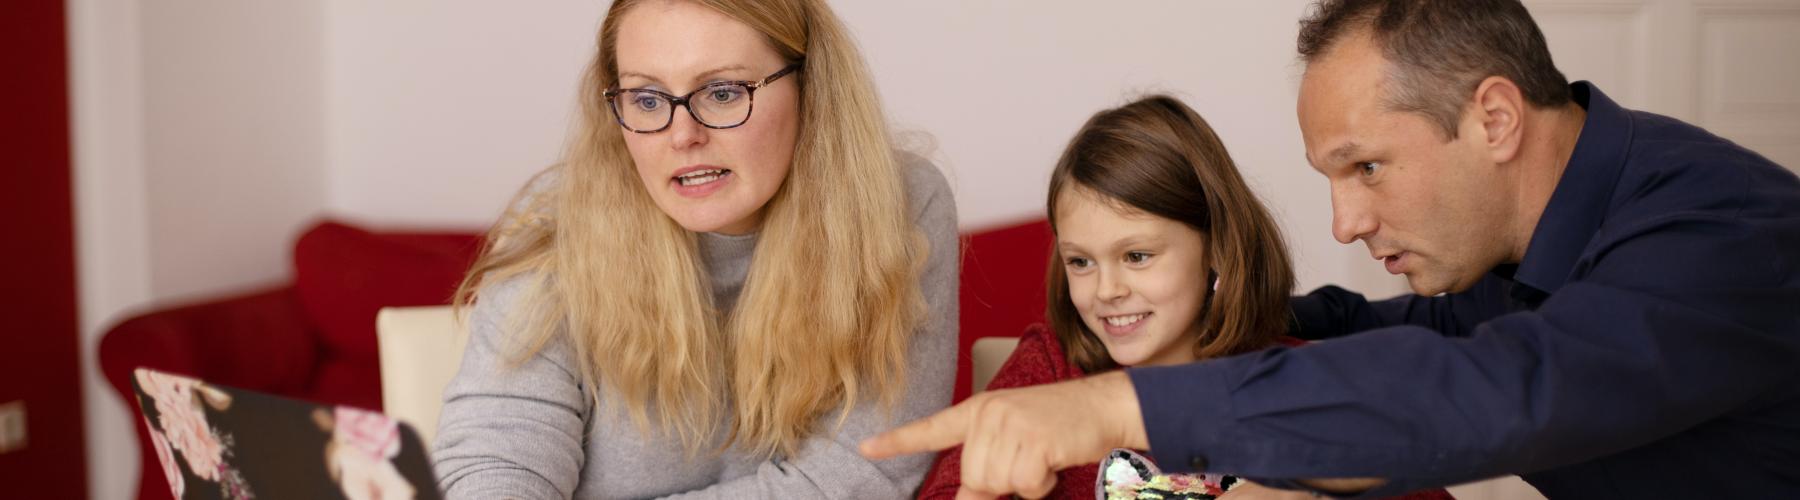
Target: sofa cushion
{"points": [[341, 380], [344, 275]]}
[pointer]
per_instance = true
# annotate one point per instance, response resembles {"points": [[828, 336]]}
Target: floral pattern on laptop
{"points": [[1126, 475], [205, 436]]}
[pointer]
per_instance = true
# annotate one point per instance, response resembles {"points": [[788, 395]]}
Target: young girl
{"points": [[1163, 256]]}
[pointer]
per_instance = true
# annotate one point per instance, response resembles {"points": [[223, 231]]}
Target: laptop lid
{"points": [[216, 441]]}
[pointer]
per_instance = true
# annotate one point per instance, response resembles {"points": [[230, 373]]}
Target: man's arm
{"points": [[1678, 324], [1331, 312]]}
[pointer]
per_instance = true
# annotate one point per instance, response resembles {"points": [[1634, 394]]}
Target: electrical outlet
{"points": [[12, 426]]}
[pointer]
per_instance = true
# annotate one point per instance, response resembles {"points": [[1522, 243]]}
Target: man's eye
{"points": [[1367, 168]]}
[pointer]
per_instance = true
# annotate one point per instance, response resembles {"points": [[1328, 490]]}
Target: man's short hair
{"points": [[1441, 50]]}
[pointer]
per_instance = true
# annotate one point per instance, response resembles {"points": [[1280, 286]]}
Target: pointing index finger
{"points": [[941, 430]]}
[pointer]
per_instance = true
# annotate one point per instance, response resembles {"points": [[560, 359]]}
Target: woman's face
{"points": [[1138, 280], [708, 180]]}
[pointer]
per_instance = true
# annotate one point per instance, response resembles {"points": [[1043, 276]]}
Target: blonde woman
{"points": [[729, 282]]}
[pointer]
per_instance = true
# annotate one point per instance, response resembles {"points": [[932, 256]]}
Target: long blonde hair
{"points": [[832, 298]]}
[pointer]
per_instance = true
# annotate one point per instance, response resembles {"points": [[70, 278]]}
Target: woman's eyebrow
{"points": [[700, 77], [709, 73]]}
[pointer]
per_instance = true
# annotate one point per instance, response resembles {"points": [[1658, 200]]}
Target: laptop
{"points": [[221, 442]]}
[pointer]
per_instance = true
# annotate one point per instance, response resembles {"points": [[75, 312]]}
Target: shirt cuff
{"points": [[1184, 407]]}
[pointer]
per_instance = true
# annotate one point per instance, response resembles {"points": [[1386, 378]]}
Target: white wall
{"points": [[234, 139], [112, 228], [199, 154], [438, 111]]}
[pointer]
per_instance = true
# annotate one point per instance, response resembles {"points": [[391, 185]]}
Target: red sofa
{"points": [[314, 339]]}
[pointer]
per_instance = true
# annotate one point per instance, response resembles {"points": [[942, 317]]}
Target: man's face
{"points": [[1430, 208]]}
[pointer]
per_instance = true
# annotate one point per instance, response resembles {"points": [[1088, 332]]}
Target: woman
{"points": [[1163, 256], [730, 280]]}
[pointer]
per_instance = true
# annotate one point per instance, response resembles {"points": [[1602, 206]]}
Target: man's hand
{"points": [[1014, 440]]}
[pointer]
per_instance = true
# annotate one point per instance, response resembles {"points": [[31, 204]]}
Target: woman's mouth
{"points": [[698, 182], [703, 176]]}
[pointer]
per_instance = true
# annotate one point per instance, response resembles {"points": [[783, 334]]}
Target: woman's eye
{"points": [[724, 95], [1136, 257], [647, 103], [1367, 168]]}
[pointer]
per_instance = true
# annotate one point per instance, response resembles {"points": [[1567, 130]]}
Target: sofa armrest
{"points": [[259, 341]]}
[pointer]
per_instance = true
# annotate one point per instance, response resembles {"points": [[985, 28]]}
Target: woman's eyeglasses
{"points": [[715, 105]]}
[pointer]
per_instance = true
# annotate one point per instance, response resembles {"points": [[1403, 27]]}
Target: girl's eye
{"points": [[1137, 257], [1078, 262], [1367, 168]]}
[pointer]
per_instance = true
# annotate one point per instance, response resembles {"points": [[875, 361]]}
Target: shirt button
{"points": [[1198, 463]]}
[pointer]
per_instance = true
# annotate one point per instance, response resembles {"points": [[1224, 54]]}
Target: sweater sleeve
{"points": [[828, 464], [510, 431]]}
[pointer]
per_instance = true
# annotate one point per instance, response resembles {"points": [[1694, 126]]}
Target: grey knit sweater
{"points": [[530, 432]]}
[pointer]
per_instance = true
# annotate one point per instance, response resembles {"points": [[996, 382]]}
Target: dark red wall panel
{"points": [[39, 337]]}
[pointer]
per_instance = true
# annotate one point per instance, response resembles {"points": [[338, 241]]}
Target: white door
{"points": [[1732, 67]]}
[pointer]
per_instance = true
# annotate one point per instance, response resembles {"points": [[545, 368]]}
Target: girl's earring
{"points": [[1215, 285]]}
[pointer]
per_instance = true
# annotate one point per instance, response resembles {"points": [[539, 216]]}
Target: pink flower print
{"points": [[362, 446], [362, 477], [370, 432], [184, 423], [167, 457]]}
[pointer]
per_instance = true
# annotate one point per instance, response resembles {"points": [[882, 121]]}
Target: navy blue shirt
{"points": [[1648, 345]]}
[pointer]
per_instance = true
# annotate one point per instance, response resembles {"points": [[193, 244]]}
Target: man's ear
{"points": [[1500, 111]]}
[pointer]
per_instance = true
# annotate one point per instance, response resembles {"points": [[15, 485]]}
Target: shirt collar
{"points": [[1579, 203]]}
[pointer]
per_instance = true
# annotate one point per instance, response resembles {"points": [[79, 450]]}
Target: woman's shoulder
{"points": [[926, 186], [499, 306], [504, 293]]}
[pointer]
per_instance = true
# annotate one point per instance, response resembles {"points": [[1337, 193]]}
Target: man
{"points": [[1608, 300]]}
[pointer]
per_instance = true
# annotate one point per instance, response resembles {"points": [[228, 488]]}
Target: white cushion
{"points": [[986, 356], [421, 349]]}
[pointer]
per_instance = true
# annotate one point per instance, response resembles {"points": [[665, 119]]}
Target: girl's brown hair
{"points": [[1157, 156]]}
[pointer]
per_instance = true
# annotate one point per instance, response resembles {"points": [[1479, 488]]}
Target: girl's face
{"points": [[708, 180], [1138, 280]]}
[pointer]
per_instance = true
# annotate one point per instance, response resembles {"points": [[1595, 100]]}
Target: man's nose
{"points": [[1351, 218]]}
